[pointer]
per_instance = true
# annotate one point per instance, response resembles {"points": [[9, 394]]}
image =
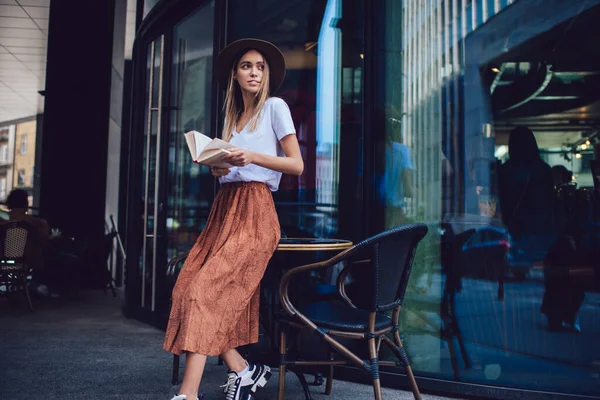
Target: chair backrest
{"points": [[13, 240], [391, 253]]}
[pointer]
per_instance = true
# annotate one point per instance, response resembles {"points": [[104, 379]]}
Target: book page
{"points": [[191, 143], [196, 142], [214, 157], [218, 144], [201, 142]]}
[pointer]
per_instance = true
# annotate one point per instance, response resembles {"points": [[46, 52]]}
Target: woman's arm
{"points": [[291, 164]]}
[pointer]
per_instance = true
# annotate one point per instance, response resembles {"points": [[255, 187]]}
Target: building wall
{"points": [[115, 118], [24, 154], [7, 138]]}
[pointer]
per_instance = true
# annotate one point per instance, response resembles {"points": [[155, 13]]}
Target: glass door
{"points": [[190, 186], [150, 170], [176, 193]]}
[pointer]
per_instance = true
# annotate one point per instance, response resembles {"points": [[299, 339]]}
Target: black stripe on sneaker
{"points": [[257, 371]]}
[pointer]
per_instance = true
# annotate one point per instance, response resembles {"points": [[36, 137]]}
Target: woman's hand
{"points": [[239, 157], [219, 172]]}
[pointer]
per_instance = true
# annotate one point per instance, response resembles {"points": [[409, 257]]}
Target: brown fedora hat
{"points": [[224, 61]]}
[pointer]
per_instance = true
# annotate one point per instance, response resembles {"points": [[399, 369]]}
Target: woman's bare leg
{"points": [[234, 361], [194, 367]]}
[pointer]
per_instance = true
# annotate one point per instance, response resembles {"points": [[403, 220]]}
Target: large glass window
{"points": [[323, 89], [486, 132], [190, 186]]}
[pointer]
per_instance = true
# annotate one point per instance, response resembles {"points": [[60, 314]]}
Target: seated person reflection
{"points": [[487, 204], [396, 184], [526, 193], [564, 295], [561, 176]]}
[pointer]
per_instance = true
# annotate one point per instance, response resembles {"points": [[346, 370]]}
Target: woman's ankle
{"points": [[242, 367], [189, 395]]}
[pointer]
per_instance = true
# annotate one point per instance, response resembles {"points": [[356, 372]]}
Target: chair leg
{"points": [[329, 383], [458, 334], [175, 377], [409, 373], [26, 290], [282, 366], [375, 368]]}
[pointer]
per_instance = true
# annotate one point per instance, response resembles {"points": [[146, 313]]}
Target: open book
{"points": [[207, 151]]}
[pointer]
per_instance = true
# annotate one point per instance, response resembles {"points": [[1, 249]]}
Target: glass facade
{"points": [[190, 185], [476, 117], [322, 89]]}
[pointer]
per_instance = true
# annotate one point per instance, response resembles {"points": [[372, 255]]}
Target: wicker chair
{"points": [[385, 262], [15, 241]]}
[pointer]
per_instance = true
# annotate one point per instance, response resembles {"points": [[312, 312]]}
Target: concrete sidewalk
{"points": [[86, 349]]}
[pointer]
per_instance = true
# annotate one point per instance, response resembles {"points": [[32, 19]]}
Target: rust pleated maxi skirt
{"points": [[216, 298]]}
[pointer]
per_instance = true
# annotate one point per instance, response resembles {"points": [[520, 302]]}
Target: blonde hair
{"points": [[234, 104]]}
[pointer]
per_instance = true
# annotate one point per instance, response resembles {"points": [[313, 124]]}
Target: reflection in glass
{"points": [[479, 141], [190, 186], [318, 60], [328, 110]]}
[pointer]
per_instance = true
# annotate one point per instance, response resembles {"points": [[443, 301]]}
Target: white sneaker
{"points": [[184, 397], [243, 387]]}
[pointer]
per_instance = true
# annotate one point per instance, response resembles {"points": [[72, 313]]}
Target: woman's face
{"points": [[249, 71]]}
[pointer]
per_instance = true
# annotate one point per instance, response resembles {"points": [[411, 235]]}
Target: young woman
{"points": [[215, 300]]}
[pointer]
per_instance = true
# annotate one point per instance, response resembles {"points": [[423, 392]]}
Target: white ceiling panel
{"points": [[10, 64], [15, 73], [38, 3], [34, 64], [9, 22], [25, 91], [7, 42], [12, 11], [26, 94], [23, 43], [22, 33], [42, 22], [37, 12], [30, 57], [18, 80], [24, 50]]}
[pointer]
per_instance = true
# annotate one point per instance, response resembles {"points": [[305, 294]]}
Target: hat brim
{"points": [[275, 59]]}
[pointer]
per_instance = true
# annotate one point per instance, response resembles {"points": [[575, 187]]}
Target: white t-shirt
{"points": [[274, 124]]}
